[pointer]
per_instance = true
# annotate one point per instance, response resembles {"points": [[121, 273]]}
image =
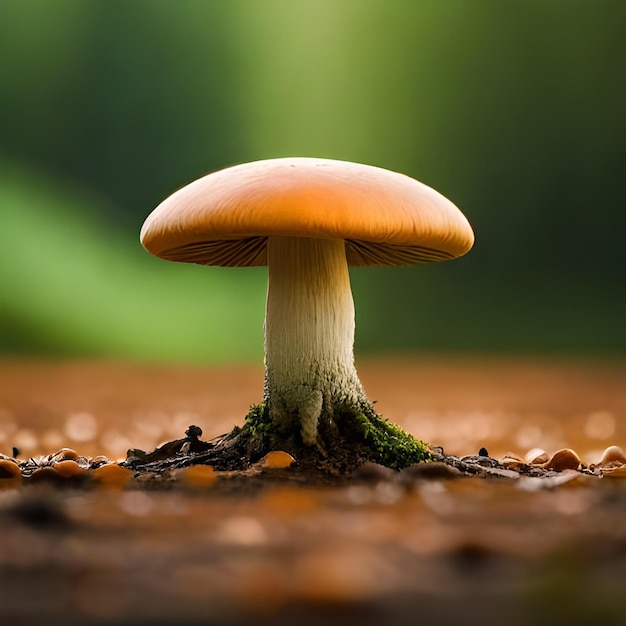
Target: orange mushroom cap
{"points": [[386, 218]]}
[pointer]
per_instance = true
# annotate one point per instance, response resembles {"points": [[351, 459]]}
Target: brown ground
{"points": [[264, 549]]}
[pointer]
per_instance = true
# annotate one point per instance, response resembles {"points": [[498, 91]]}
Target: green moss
{"points": [[259, 429], [390, 445], [257, 420]]}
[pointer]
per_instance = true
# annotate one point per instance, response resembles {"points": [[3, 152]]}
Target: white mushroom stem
{"points": [[309, 334]]}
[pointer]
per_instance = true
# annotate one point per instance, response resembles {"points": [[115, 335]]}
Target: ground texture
{"points": [[483, 536]]}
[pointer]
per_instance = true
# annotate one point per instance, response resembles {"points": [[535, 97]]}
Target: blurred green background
{"points": [[514, 110]]}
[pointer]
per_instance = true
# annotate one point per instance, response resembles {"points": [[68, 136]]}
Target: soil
{"points": [[481, 536]]}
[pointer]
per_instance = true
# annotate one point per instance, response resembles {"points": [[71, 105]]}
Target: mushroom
{"points": [[308, 219]]}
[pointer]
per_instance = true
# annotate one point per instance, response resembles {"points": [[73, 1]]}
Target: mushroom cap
{"points": [[385, 218]]}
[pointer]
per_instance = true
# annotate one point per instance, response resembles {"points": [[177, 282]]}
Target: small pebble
{"points": [[10, 474], [483, 452], [536, 456], [69, 469], [64, 454], [111, 476], [613, 456], [193, 432], [277, 459], [46, 475], [562, 460]]}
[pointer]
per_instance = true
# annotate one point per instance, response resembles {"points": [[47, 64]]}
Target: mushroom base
{"points": [[355, 436]]}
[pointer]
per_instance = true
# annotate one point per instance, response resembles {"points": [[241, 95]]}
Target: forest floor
{"points": [[506, 545]]}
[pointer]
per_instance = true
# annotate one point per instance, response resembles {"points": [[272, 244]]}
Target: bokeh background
{"points": [[514, 110]]}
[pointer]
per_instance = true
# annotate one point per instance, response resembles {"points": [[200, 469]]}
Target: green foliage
{"points": [[68, 288], [513, 110]]}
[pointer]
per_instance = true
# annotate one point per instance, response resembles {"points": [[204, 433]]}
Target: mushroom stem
{"points": [[309, 335]]}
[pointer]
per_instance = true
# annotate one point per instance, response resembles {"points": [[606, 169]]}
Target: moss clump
{"points": [[389, 444], [258, 430]]}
